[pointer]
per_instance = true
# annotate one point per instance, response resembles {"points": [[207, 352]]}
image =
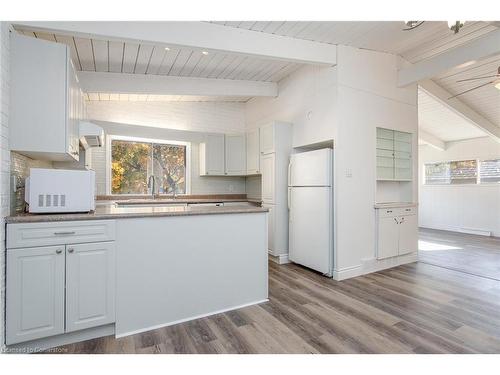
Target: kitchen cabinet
{"points": [[212, 155], [276, 146], [253, 152], [394, 155], [90, 284], [268, 178], [397, 231], [271, 225], [62, 287], [46, 102], [235, 154], [35, 293]]}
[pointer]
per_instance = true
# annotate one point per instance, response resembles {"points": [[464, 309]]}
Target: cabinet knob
{"points": [[58, 251], [70, 250]]}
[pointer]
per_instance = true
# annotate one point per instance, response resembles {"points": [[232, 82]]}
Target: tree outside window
{"points": [[133, 162]]}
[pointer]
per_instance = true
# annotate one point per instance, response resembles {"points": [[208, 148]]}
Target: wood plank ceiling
{"points": [[424, 42]]}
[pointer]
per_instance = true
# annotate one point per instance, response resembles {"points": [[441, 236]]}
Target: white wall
{"points": [[178, 121], [460, 207], [4, 161], [346, 103]]}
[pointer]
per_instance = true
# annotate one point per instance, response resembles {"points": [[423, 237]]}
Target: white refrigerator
{"points": [[310, 210]]}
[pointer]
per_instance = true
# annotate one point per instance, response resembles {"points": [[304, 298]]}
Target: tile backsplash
{"points": [[20, 168]]}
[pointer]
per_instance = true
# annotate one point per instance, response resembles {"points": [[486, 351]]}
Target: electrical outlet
{"points": [[348, 172]]}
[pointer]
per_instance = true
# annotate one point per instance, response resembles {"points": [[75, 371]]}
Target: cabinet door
{"points": [[253, 152], [212, 155], [408, 234], [271, 224], [73, 113], [267, 163], [267, 139], [235, 154], [35, 293], [90, 285], [388, 237]]}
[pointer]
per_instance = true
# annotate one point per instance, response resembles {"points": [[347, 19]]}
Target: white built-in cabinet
{"points": [[397, 231], [394, 155], [60, 286], [253, 152], [275, 148], [223, 155], [46, 101]]}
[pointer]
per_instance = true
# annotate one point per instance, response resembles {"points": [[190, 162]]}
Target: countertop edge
{"points": [[394, 205]]}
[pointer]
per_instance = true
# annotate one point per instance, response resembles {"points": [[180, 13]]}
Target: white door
{"points": [[90, 285], [253, 152], [313, 168], [267, 139], [235, 155], [310, 229], [408, 234], [267, 163], [35, 293], [214, 154], [388, 237]]}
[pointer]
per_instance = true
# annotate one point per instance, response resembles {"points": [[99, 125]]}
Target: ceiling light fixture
{"points": [[497, 84], [410, 25], [167, 49], [204, 53], [455, 26]]}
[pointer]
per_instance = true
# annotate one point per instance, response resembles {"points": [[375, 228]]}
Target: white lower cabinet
{"points": [[35, 293], [397, 232], [271, 224], [90, 285], [51, 290]]}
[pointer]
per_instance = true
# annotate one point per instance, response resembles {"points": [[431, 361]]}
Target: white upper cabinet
{"points": [[235, 150], [267, 138], [394, 155], [212, 155], [268, 162], [46, 102], [253, 152]]}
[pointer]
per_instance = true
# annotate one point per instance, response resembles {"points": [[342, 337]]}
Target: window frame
{"points": [[478, 172], [111, 138]]}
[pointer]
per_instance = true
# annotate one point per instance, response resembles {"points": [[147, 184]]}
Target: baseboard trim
{"points": [[347, 273], [38, 345], [477, 232], [150, 328], [279, 259]]}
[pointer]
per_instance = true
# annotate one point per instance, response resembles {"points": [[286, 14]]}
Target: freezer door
{"points": [[312, 168], [311, 228]]}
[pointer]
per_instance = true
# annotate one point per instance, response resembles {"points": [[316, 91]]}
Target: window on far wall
{"points": [[133, 161], [463, 172], [437, 173], [490, 170]]}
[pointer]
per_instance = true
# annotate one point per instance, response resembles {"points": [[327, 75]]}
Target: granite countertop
{"points": [[395, 204], [112, 211]]}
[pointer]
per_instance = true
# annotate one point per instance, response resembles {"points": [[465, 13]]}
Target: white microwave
{"points": [[60, 190]]}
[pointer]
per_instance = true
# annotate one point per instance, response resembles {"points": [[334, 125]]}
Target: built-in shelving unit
{"points": [[394, 154]]}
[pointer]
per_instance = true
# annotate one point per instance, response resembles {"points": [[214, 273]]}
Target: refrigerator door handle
{"points": [[290, 173], [289, 200]]}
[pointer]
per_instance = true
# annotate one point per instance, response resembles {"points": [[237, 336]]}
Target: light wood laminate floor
{"points": [[476, 255], [415, 308]]}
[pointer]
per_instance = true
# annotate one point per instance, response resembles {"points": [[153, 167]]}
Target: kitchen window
{"points": [[437, 173], [133, 160], [462, 172]]}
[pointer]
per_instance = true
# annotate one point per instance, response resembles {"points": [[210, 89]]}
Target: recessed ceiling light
{"points": [[167, 49], [204, 52]]}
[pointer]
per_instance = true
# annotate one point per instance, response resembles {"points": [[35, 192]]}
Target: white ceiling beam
{"points": [[197, 35], [460, 108], [477, 49], [431, 140], [123, 83]]}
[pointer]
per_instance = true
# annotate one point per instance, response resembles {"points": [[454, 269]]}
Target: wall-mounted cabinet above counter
{"points": [[394, 155], [46, 101]]}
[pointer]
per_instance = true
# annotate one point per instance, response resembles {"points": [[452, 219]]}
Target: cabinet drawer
{"points": [[405, 211], [59, 233], [397, 211]]}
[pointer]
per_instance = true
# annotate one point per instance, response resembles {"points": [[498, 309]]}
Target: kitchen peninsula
{"points": [[125, 269]]}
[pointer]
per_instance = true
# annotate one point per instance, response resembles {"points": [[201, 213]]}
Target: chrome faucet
{"points": [[151, 185]]}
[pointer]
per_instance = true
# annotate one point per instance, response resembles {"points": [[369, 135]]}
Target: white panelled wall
{"points": [[346, 103], [4, 160], [176, 121], [461, 208]]}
